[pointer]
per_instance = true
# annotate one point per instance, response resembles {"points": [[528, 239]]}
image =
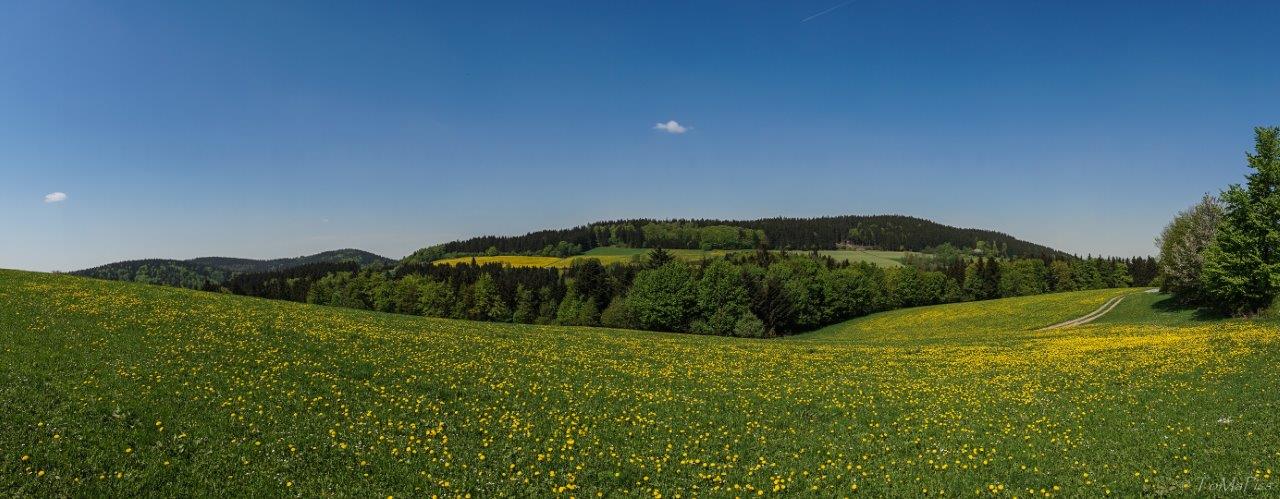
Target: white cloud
{"points": [[671, 127], [55, 197]]}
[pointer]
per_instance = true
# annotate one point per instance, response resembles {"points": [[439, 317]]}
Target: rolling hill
{"points": [[879, 232], [197, 272], [246, 265], [115, 389]]}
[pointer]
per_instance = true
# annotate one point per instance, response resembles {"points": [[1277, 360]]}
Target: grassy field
{"points": [[990, 322], [608, 255], [1153, 308], [881, 258], [112, 388]]}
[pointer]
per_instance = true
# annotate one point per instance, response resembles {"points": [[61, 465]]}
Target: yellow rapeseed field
{"points": [[120, 389]]}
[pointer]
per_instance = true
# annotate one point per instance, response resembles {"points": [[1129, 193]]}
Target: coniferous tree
{"points": [[526, 306], [486, 303], [1242, 266], [1060, 277], [548, 305], [770, 305], [991, 279], [659, 257], [568, 312], [588, 313]]}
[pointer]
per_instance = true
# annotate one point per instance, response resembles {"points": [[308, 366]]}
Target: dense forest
{"points": [[887, 232], [181, 273], [199, 273], [360, 257], [756, 294]]}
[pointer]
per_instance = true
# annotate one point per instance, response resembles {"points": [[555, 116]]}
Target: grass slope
{"points": [[984, 321], [1155, 308], [113, 388]]}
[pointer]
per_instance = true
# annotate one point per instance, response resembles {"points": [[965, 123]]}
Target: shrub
{"points": [[749, 326]]}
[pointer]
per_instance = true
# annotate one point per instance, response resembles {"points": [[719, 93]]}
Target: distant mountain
{"points": [[197, 272], [886, 232]]}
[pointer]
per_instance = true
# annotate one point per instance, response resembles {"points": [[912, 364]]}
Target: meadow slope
{"points": [[114, 388]]}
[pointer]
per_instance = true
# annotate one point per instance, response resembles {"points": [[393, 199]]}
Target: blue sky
{"points": [[270, 129]]}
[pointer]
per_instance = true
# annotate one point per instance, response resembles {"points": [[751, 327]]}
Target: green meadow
{"points": [[116, 388]]}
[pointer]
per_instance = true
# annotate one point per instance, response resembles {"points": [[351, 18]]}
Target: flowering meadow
{"points": [[110, 388]]}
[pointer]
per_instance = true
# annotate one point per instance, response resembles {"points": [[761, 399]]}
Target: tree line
{"points": [[180, 273], [751, 294]]}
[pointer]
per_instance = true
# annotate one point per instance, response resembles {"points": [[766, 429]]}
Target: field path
{"points": [[1094, 315]]}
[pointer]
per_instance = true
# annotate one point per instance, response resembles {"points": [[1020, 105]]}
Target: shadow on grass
{"points": [[1193, 313]]}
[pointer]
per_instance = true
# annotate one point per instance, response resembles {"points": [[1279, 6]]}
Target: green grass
{"points": [[121, 389], [1154, 308], [881, 258], [1003, 320]]}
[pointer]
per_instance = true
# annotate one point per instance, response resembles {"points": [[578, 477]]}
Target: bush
{"points": [[749, 326], [619, 314], [664, 298]]}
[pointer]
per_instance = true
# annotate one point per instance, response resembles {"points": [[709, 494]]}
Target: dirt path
{"points": [[1094, 315]]}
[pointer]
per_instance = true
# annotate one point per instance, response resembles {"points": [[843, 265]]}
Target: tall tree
{"points": [[659, 257], [526, 306], [486, 303], [1242, 266]]}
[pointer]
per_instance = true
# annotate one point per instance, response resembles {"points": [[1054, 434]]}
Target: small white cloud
{"points": [[671, 127], [55, 197]]}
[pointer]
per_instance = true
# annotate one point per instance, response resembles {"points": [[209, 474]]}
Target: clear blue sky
{"points": [[270, 129]]}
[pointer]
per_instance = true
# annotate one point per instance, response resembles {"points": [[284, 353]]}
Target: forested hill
{"points": [[886, 232], [196, 273], [361, 257]]}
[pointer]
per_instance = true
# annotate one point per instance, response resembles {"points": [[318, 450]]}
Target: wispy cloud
{"points": [[826, 11], [55, 197], [671, 127]]}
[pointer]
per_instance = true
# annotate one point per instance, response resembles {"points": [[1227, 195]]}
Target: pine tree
{"points": [[567, 312], [659, 257], [1242, 266], [486, 302], [526, 307], [547, 306], [991, 279]]}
